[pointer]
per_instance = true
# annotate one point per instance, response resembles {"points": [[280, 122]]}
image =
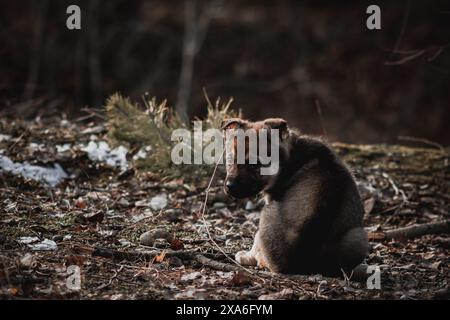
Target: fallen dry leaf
{"points": [[160, 257]]}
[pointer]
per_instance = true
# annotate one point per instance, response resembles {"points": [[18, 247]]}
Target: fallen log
{"points": [[413, 231]]}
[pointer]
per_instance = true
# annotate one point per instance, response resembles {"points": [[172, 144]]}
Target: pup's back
{"points": [[313, 222]]}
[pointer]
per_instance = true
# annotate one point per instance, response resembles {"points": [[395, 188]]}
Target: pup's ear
{"points": [[278, 123], [233, 123]]}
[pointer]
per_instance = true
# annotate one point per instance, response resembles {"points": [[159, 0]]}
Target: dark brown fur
{"points": [[312, 222]]}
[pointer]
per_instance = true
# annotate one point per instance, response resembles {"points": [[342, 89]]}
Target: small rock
{"points": [[249, 206], [148, 238], [64, 123]]}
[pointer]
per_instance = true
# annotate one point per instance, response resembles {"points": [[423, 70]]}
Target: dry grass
{"points": [[151, 124]]}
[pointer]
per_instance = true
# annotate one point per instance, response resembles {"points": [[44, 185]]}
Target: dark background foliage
{"points": [[311, 62]]}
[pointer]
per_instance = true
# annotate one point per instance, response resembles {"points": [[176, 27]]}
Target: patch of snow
{"points": [[100, 151], [142, 153], [44, 245], [159, 202], [28, 240], [34, 147], [5, 137], [63, 148], [50, 176]]}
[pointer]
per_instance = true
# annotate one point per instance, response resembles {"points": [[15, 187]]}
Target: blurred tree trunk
{"points": [[41, 8], [195, 28]]}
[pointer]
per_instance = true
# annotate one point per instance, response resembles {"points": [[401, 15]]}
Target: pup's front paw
{"points": [[245, 258], [260, 261]]}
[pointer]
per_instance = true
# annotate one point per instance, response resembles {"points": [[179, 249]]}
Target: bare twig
{"points": [[204, 219], [414, 231], [397, 190], [402, 30], [403, 60], [206, 225], [111, 279], [17, 141], [424, 141]]}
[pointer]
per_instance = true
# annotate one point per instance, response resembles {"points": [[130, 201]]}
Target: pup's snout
{"points": [[238, 188], [232, 187]]}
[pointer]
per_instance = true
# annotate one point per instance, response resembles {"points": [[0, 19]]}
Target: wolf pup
{"points": [[312, 220]]}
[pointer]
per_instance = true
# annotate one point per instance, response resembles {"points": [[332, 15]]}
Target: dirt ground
{"points": [[95, 217]]}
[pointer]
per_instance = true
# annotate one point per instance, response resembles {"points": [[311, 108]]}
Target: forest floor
{"points": [[94, 218]]}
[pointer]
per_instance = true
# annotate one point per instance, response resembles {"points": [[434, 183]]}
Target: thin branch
{"points": [[424, 141], [413, 231], [403, 28], [206, 225]]}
